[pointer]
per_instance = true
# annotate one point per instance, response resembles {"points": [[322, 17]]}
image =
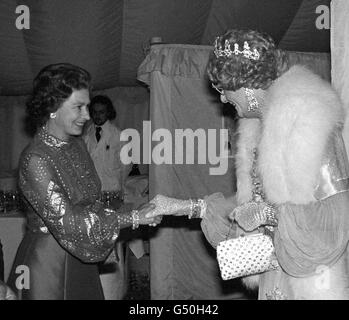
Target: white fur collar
{"points": [[302, 111]]}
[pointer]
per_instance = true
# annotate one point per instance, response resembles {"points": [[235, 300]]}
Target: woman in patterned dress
{"points": [[69, 229]]}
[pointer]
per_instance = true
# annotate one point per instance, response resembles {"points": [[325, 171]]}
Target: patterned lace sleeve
{"points": [[87, 231], [216, 224]]}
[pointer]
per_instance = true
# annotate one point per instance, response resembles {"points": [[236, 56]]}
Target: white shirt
{"points": [[106, 154]]}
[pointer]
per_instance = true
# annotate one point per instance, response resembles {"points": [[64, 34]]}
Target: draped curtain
{"points": [[183, 265], [340, 55]]}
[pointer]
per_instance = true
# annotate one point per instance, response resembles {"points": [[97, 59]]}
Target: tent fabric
{"points": [[183, 265], [319, 62], [340, 56], [187, 60], [110, 38], [174, 60]]}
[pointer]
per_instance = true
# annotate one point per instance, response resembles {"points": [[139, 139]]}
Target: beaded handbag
{"points": [[250, 254], [246, 255]]}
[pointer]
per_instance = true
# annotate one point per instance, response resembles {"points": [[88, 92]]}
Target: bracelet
{"points": [[270, 215], [135, 219], [203, 207], [197, 208], [125, 220], [190, 214], [192, 211]]}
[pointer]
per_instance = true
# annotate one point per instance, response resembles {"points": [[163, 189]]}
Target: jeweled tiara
{"points": [[227, 52]]}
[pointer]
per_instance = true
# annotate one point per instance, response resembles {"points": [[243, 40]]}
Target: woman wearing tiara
{"points": [[292, 169]]}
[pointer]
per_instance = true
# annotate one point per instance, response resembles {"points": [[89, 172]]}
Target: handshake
{"points": [[249, 215], [161, 205]]}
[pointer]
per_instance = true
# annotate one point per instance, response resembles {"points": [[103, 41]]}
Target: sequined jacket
{"points": [[61, 189]]}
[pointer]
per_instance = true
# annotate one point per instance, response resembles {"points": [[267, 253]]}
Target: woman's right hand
{"points": [[145, 209]]}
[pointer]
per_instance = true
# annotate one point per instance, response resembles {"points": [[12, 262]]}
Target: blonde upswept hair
{"points": [[237, 71]]}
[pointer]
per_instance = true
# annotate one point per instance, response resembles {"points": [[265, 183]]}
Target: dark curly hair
{"points": [[52, 86], [237, 71], [104, 100]]}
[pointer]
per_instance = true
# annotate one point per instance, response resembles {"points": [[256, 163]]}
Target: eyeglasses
{"points": [[221, 91]]}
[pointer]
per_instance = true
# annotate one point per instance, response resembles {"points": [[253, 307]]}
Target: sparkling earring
{"points": [[53, 115], [253, 104]]}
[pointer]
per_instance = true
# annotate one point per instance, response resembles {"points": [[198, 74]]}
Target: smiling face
{"points": [[71, 115]]}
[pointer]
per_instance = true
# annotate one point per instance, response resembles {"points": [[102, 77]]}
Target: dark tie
{"points": [[98, 133]]}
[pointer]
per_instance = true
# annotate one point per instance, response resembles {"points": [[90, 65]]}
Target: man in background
{"points": [[102, 138]]}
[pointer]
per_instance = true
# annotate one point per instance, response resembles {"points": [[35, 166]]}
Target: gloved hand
{"points": [[252, 215], [169, 206]]}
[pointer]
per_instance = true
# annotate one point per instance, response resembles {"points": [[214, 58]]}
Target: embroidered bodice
{"points": [[61, 188]]}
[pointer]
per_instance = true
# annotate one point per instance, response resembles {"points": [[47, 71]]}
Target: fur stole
{"points": [[301, 112]]}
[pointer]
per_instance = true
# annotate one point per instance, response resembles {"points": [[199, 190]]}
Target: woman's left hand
{"points": [[252, 215]]}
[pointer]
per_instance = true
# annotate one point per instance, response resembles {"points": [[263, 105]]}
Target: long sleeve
{"points": [[86, 230], [312, 235], [215, 224]]}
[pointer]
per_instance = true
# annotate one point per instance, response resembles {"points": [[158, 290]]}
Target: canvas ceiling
{"points": [[107, 36]]}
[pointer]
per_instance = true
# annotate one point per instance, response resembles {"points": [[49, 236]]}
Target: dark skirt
{"points": [[54, 273]]}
